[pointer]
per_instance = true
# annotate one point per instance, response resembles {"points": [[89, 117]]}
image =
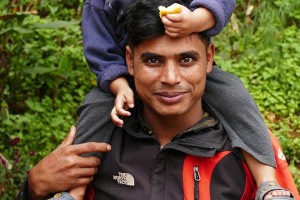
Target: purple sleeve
{"points": [[102, 51], [221, 9]]}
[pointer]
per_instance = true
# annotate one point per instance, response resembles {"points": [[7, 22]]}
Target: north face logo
{"points": [[124, 179]]}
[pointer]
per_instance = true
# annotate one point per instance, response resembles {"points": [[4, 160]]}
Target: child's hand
{"points": [[187, 22], [124, 100], [177, 25]]}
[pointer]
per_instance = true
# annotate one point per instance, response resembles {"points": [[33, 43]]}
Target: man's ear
{"points": [[210, 57], [129, 60]]}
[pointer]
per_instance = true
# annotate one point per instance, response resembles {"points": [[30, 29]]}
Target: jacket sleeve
{"points": [[221, 9], [103, 52]]}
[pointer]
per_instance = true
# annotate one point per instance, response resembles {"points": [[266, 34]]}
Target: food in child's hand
{"points": [[172, 9]]}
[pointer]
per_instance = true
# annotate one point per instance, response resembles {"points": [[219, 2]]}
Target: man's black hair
{"points": [[142, 21]]}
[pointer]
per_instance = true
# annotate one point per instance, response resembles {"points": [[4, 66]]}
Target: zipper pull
{"points": [[197, 178], [196, 174]]}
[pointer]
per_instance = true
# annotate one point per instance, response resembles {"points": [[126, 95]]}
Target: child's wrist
{"points": [[207, 19], [118, 84]]}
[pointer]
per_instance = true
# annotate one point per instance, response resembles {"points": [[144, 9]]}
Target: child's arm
{"points": [[220, 9], [262, 174], [101, 44], [105, 56]]}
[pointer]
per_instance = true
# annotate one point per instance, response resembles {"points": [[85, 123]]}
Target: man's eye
{"points": [[152, 61], [187, 60]]}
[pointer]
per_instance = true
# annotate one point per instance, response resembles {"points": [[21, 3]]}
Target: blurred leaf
{"points": [[22, 30], [55, 25], [39, 70], [16, 29], [5, 30]]}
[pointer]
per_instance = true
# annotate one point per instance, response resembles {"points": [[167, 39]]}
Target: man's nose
{"points": [[170, 74]]}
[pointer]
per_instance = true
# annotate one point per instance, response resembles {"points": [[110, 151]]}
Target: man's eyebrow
{"points": [[192, 53], [148, 55]]}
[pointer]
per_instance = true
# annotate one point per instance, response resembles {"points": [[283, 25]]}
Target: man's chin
{"points": [[170, 112]]}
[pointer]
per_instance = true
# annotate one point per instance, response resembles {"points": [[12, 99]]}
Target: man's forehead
{"points": [[167, 45]]}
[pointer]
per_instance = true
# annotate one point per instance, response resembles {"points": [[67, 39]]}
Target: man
{"points": [[172, 147]]}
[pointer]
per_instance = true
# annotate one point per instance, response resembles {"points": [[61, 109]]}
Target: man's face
{"points": [[170, 74]]}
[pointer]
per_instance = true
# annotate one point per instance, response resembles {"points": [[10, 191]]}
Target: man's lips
{"points": [[170, 97]]}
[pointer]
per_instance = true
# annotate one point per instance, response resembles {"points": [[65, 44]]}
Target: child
{"points": [[104, 44]]}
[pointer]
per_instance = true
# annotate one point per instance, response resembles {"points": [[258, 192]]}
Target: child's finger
{"points": [[130, 100], [174, 17], [172, 30], [171, 34], [115, 118], [166, 21], [121, 106], [173, 25], [121, 111]]}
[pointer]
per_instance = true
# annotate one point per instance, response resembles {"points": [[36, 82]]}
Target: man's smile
{"points": [[170, 97]]}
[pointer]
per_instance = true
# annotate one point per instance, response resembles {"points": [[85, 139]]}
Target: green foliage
{"points": [[44, 77]]}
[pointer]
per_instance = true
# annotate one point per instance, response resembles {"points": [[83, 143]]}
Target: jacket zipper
{"points": [[196, 183]]}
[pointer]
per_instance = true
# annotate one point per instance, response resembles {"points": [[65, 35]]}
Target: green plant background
{"points": [[44, 76]]}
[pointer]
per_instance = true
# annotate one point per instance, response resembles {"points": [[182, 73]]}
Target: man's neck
{"points": [[165, 128]]}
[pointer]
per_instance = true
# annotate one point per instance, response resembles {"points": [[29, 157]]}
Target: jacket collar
{"points": [[204, 139]]}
